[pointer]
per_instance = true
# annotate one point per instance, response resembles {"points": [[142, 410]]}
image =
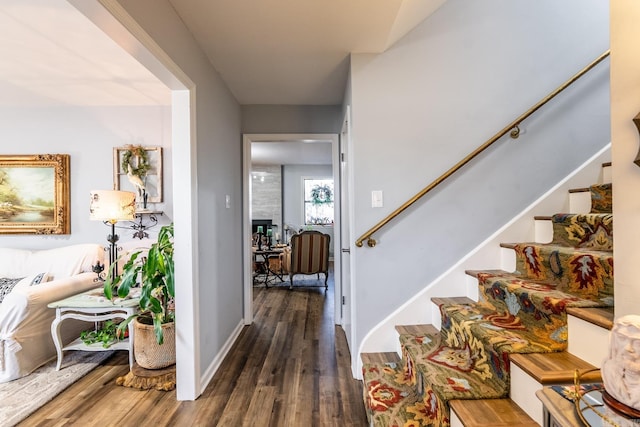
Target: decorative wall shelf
{"points": [[144, 221]]}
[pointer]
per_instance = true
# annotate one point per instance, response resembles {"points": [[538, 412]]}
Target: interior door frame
{"points": [[247, 140]]}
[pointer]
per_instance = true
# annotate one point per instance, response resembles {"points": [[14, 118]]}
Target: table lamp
{"points": [[111, 206]]}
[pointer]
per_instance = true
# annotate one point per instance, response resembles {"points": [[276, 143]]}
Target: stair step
{"points": [[474, 273], [417, 330], [599, 316], [385, 357], [490, 412], [451, 300], [579, 190], [543, 218], [555, 368], [508, 245]]}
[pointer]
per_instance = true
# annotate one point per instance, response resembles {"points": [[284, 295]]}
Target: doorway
{"points": [[280, 149]]}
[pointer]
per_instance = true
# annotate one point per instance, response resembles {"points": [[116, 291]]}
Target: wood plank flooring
{"points": [[291, 367]]}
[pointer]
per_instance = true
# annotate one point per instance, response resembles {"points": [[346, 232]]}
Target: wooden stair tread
{"points": [[580, 190], [606, 164], [417, 330], [474, 273], [555, 368], [599, 316], [385, 357], [543, 218], [508, 245], [491, 412], [451, 300]]}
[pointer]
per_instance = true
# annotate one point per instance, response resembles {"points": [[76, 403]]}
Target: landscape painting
{"points": [[34, 194]]}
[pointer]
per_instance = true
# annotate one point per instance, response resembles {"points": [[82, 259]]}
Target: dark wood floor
{"points": [[290, 368]]}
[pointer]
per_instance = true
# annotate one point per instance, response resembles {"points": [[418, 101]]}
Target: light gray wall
{"points": [[293, 196], [219, 173], [291, 118], [439, 93], [88, 135]]}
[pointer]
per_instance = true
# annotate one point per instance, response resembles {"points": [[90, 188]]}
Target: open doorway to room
{"points": [[276, 169]]}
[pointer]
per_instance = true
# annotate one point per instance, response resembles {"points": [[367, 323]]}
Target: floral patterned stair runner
{"points": [[503, 333], [442, 371], [582, 273], [389, 400], [601, 198], [585, 231]]}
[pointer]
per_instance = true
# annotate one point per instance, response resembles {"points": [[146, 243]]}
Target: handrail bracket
{"points": [[515, 132]]}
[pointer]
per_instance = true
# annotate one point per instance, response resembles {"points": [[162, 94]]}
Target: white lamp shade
{"points": [[112, 205]]}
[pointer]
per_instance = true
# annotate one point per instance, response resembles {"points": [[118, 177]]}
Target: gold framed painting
{"points": [[146, 165], [34, 194]]}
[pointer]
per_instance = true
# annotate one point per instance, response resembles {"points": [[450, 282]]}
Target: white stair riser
{"points": [[454, 420], [606, 174], [579, 202], [543, 230], [507, 260], [587, 341], [523, 389]]}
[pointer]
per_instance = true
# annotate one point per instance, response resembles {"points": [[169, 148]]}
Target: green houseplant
{"points": [[154, 273]]}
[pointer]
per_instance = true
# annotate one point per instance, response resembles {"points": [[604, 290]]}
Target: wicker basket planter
{"points": [[149, 354]]}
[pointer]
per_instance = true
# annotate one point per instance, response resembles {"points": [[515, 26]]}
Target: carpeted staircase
{"points": [[522, 312]]}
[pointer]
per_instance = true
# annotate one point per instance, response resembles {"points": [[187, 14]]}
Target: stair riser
{"points": [[455, 421], [606, 173], [522, 392], [543, 231], [580, 202], [588, 341], [508, 259]]}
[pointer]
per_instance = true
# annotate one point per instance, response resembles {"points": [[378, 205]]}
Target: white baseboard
{"points": [[217, 361]]}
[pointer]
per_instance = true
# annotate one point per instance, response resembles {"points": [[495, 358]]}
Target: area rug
{"points": [[23, 396]]}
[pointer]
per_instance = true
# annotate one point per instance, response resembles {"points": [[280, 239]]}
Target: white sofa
{"points": [[25, 319]]}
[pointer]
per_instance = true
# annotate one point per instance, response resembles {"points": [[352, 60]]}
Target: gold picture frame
{"points": [[34, 194], [153, 179]]}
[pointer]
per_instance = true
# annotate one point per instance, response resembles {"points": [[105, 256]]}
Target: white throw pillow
{"points": [[32, 279]]}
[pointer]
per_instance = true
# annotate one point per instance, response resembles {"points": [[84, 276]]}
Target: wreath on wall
{"points": [[136, 157], [321, 194]]}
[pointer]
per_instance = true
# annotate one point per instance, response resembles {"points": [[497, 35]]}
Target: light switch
{"points": [[376, 199], [227, 201]]}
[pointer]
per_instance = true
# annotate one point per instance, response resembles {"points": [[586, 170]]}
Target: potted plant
{"points": [[154, 275]]}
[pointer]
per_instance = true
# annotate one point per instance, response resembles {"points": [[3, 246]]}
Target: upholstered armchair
{"points": [[309, 255]]}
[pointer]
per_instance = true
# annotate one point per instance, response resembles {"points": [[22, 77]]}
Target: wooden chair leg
{"points": [[326, 277], [290, 281]]}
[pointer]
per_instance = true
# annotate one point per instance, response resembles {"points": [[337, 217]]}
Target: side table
{"points": [[560, 412], [92, 306]]}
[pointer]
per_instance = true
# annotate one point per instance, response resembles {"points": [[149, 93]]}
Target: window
{"points": [[318, 201]]}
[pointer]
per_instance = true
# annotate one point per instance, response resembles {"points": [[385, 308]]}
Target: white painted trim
{"points": [[337, 229], [211, 370], [186, 245], [350, 240], [452, 282], [113, 19], [247, 139]]}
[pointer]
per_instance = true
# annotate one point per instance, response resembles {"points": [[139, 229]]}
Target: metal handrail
{"points": [[515, 132]]}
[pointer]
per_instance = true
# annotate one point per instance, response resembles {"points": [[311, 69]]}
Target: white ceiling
{"points": [[295, 52], [267, 51], [291, 153]]}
